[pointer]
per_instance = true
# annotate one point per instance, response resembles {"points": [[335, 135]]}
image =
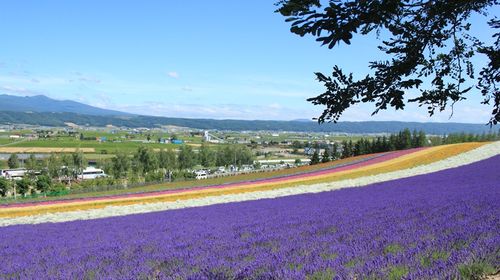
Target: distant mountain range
{"points": [[41, 110], [41, 103]]}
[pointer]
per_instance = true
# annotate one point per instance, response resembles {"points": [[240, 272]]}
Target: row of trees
{"points": [[465, 137], [53, 164], [145, 165], [400, 141], [145, 160], [41, 183]]}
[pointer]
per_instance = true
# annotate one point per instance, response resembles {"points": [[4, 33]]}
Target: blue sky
{"points": [[210, 59]]}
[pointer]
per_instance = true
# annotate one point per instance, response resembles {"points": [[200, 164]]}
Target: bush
{"points": [[58, 187], [182, 175], [475, 270], [156, 176]]}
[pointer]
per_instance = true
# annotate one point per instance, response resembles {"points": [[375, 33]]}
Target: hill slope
{"points": [[41, 110], [134, 121]]}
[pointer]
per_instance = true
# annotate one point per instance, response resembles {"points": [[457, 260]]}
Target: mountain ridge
{"points": [[46, 113], [136, 121], [42, 103]]}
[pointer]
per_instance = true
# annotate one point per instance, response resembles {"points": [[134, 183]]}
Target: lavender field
{"points": [[434, 226]]}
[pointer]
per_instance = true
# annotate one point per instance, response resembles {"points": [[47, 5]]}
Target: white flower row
{"points": [[481, 153]]}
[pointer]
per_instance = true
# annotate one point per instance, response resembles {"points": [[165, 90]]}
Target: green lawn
{"points": [[4, 141]]}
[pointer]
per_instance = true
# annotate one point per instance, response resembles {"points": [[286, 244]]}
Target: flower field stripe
{"points": [[201, 184], [392, 162], [431, 226], [172, 195], [291, 187], [348, 166]]}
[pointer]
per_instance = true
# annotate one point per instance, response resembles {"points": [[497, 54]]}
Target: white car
{"points": [[201, 174]]}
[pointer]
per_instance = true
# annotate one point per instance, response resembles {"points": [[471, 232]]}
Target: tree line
{"points": [[402, 140], [56, 172]]}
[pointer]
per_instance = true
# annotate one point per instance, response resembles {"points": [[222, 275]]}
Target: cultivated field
{"points": [[256, 182], [436, 225], [426, 213], [11, 150]]}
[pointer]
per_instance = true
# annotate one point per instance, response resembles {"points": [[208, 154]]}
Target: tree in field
{"points": [[145, 160], [429, 48], [243, 155], [78, 162], [13, 161], [31, 165], [404, 139], [315, 157], [186, 158], [347, 149], [335, 151], [325, 157], [221, 155], [43, 184], [207, 156], [30, 162], [4, 186], [23, 186], [234, 155], [120, 165], [167, 159], [67, 168], [419, 139], [54, 166]]}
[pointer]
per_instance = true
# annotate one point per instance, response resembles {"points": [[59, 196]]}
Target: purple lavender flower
{"points": [[440, 225]]}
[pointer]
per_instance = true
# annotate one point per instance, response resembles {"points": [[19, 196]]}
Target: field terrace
{"points": [[439, 220], [363, 171]]}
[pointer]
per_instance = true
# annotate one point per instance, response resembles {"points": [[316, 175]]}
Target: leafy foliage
{"points": [[476, 270], [43, 183], [340, 234], [13, 161], [120, 165], [23, 186], [429, 45], [186, 158], [4, 186], [145, 160], [315, 157]]}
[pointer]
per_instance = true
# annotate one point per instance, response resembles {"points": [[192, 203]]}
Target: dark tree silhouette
{"points": [[315, 157], [430, 47]]}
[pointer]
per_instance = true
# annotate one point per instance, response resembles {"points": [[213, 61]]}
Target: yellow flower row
{"points": [[422, 157]]}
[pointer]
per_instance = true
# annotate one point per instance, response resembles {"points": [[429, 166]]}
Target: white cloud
{"points": [[18, 90], [218, 111], [173, 74], [89, 80], [464, 112]]}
